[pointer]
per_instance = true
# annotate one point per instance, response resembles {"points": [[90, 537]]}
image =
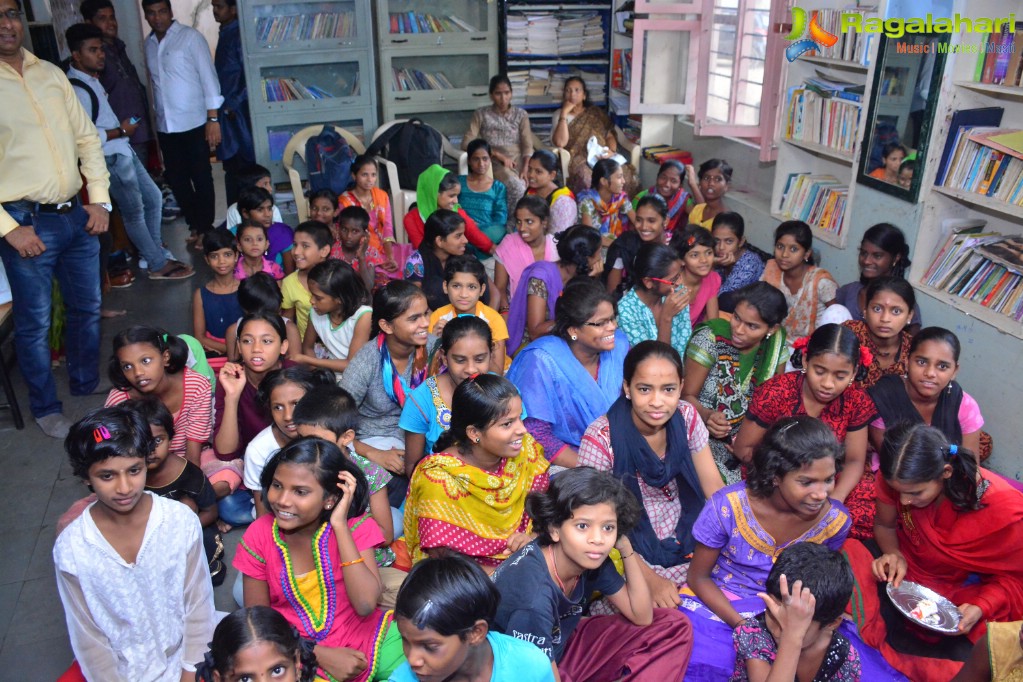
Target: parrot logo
{"points": [[801, 28]]}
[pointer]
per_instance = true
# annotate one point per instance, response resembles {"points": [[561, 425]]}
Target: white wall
{"points": [[991, 361]]}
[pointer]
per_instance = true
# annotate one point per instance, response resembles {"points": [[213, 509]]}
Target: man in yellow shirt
{"points": [[47, 231]]}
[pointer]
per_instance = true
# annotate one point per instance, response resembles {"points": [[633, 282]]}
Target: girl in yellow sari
{"points": [[470, 497]]}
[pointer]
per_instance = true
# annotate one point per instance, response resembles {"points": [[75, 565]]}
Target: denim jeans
{"points": [[72, 256], [237, 509], [141, 204]]}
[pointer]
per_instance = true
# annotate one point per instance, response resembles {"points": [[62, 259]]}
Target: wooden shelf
{"points": [[1002, 323], [822, 150], [986, 203], [836, 63], [992, 89]]}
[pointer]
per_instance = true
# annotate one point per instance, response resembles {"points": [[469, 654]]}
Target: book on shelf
{"points": [[546, 84], [852, 46], [419, 22], [964, 119], [291, 89], [999, 59], [987, 161], [403, 80], [547, 33], [309, 26], [621, 69], [817, 200], [983, 267], [815, 114]]}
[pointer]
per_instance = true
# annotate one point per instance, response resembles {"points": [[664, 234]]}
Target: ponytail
{"points": [[918, 453]]}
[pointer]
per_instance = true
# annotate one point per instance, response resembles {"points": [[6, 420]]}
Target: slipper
{"points": [[179, 271]]}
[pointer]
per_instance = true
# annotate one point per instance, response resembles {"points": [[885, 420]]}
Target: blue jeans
{"points": [[141, 204], [237, 508], [72, 256]]}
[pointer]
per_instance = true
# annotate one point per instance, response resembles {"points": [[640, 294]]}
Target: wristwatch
{"points": [[212, 119], [106, 206]]}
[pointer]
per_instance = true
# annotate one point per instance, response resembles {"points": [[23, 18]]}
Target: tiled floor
{"points": [[36, 487]]}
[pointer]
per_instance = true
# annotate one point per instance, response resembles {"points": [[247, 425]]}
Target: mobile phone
{"points": [[134, 119]]}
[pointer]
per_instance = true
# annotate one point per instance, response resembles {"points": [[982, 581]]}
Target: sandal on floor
{"points": [[179, 271]]}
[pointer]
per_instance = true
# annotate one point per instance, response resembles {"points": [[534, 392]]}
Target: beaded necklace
{"points": [[316, 625]]}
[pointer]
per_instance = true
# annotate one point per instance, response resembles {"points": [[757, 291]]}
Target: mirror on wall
{"points": [[900, 113]]}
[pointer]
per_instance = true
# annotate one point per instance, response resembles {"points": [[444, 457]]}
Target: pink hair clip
{"points": [[101, 434]]}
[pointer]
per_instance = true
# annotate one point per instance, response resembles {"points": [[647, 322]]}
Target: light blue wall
{"points": [[991, 363]]}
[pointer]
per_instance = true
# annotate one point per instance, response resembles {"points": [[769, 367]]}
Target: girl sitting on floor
{"points": [[470, 497], [670, 186], [445, 612], [312, 559], [605, 206], [736, 263], [655, 443], [649, 228], [542, 175], [883, 331], [256, 644], [715, 179], [260, 294], [695, 246], [529, 243], [883, 253], [656, 307], [946, 524], [340, 316], [547, 585]]}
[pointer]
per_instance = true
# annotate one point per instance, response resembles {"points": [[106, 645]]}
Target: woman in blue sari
{"points": [[572, 376]]}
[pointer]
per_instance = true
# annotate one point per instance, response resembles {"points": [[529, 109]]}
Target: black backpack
{"points": [[329, 159], [413, 146]]}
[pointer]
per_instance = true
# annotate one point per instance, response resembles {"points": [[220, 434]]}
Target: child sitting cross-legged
{"points": [[256, 206], [330, 412], [178, 479], [445, 613], [339, 319], [352, 244], [253, 245], [131, 571], [465, 282], [257, 644], [797, 638]]}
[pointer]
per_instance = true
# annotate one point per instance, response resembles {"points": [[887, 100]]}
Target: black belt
{"points": [[27, 206]]}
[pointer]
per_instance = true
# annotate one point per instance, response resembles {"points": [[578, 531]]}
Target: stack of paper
{"points": [[549, 33]]}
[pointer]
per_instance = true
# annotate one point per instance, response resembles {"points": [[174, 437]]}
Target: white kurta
{"points": [[144, 621]]}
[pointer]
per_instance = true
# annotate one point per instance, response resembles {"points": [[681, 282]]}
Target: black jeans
{"points": [[186, 159]]}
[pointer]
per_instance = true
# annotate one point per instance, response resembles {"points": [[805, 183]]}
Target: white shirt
{"points": [[234, 217], [258, 452], [185, 84], [143, 621], [106, 119]]}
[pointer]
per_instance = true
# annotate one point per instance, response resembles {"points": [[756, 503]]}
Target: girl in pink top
{"points": [[531, 242], [695, 246]]}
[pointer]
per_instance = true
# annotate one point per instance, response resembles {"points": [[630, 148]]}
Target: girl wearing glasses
{"points": [[656, 308]]}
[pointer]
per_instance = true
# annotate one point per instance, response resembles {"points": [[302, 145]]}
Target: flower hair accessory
{"points": [[866, 357], [691, 240], [801, 344], [101, 434], [953, 450]]}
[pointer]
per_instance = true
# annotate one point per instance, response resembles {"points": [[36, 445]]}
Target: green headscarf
{"points": [[427, 189]]}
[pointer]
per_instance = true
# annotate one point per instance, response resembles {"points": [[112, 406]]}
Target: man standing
{"points": [[47, 232], [186, 96], [235, 150], [125, 92], [138, 198]]}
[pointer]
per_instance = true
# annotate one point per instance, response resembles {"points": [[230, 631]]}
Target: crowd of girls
{"points": [[712, 452]]}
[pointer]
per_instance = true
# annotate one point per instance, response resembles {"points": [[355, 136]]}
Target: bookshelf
{"points": [[620, 86], [435, 60], [820, 129], [949, 198], [544, 43], [306, 62]]}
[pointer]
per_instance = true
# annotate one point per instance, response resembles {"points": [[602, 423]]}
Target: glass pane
{"points": [[719, 86], [439, 73], [441, 16], [284, 24], [310, 81], [665, 76], [738, 49]]}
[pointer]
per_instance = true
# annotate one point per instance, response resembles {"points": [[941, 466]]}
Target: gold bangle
{"points": [[352, 563]]}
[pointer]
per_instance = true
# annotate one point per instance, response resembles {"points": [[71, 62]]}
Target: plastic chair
{"points": [[400, 206], [296, 147]]}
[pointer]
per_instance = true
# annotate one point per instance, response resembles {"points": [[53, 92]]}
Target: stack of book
{"points": [[310, 26], [414, 79], [817, 200], [555, 34], [290, 89], [1000, 60], [417, 22], [852, 46], [824, 113], [983, 267], [543, 85], [986, 161]]}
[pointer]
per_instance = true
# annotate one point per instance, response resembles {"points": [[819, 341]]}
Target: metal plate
{"points": [[908, 595]]}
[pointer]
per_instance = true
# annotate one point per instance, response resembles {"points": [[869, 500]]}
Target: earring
{"points": [[768, 335], [949, 389], [574, 337], [802, 371], [477, 441]]}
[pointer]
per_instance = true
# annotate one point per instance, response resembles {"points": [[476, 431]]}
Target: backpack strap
{"points": [[377, 147], [93, 99]]}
